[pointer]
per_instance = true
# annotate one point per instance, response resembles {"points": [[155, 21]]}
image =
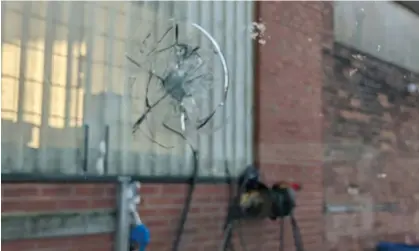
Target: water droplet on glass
{"points": [[411, 88], [352, 72], [352, 190], [102, 147], [358, 56]]}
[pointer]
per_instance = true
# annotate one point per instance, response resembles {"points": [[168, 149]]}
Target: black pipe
{"points": [[188, 200], [122, 229], [228, 223], [298, 242], [86, 149], [105, 164], [234, 215]]}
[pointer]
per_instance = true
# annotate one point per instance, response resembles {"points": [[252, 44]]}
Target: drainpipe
{"points": [[123, 219]]}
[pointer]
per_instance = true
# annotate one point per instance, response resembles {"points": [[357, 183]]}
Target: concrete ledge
{"points": [[348, 208], [56, 224]]}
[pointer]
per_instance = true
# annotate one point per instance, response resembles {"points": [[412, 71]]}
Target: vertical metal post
{"points": [[106, 157], [123, 218], [86, 148]]}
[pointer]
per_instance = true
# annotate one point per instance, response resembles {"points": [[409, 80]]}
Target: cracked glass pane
{"points": [[184, 81]]}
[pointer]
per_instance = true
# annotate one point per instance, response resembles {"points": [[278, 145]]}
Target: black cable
{"points": [[86, 148], [226, 242], [298, 242], [188, 201], [281, 234], [239, 220], [228, 224], [234, 200], [281, 225], [240, 234]]}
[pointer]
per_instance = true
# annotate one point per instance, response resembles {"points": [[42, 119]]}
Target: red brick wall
{"points": [[289, 134], [48, 197], [290, 120], [160, 210], [372, 130]]}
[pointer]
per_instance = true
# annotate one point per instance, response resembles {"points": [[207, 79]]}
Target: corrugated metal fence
{"points": [[64, 66]]}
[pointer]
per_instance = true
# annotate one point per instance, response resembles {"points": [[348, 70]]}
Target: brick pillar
{"points": [[289, 109]]}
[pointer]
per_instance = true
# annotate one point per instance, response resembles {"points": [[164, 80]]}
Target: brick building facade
{"points": [[307, 109]]}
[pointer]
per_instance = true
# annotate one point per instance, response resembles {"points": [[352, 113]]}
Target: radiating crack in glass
{"points": [[185, 77]]}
